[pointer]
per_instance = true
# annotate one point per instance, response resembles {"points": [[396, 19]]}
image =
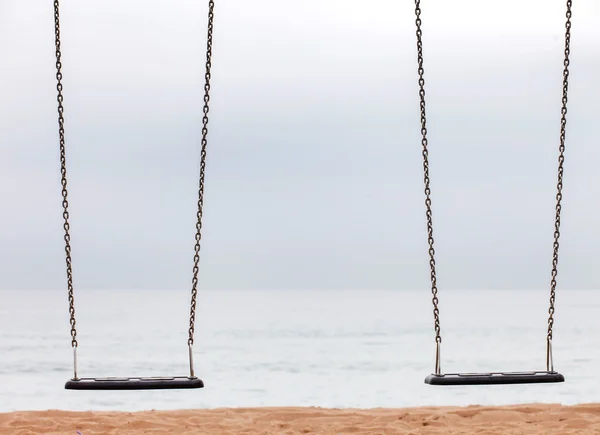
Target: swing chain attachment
{"points": [[438, 358], [549, 357]]}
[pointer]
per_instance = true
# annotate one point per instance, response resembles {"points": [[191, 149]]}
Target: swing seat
{"points": [[135, 383], [541, 377]]}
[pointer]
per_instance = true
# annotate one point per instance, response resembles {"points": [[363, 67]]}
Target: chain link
{"points": [[561, 160], [195, 270], [63, 173], [424, 143]]}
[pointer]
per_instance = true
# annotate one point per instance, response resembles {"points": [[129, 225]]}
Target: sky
{"points": [[314, 170]]}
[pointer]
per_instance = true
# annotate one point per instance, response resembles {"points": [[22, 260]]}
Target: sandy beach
{"points": [[506, 420]]}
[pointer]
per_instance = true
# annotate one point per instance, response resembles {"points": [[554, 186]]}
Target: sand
{"points": [[506, 420]]}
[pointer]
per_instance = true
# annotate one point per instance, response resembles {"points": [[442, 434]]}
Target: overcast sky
{"points": [[314, 170]]}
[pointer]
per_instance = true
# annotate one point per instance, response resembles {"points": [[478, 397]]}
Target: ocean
{"points": [[294, 348]]}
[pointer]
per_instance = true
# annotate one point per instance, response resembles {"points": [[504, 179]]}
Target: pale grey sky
{"points": [[314, 171]]}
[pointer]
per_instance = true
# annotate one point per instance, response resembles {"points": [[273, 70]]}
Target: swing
{"points": [[549, 375], [132, 383]]}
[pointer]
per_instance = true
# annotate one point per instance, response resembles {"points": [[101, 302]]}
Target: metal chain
{"points": [[209, 39], [561, 160], [429, 214], [63, 172], [559, 186]]}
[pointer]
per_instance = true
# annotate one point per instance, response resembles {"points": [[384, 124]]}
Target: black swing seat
{"points": [[541, 377], [136, 383]]}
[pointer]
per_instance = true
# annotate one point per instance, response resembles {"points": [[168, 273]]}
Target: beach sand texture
{"points": [[506, 420]]}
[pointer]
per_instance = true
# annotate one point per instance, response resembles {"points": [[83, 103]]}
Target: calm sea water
{"points": [[311, 348]]}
